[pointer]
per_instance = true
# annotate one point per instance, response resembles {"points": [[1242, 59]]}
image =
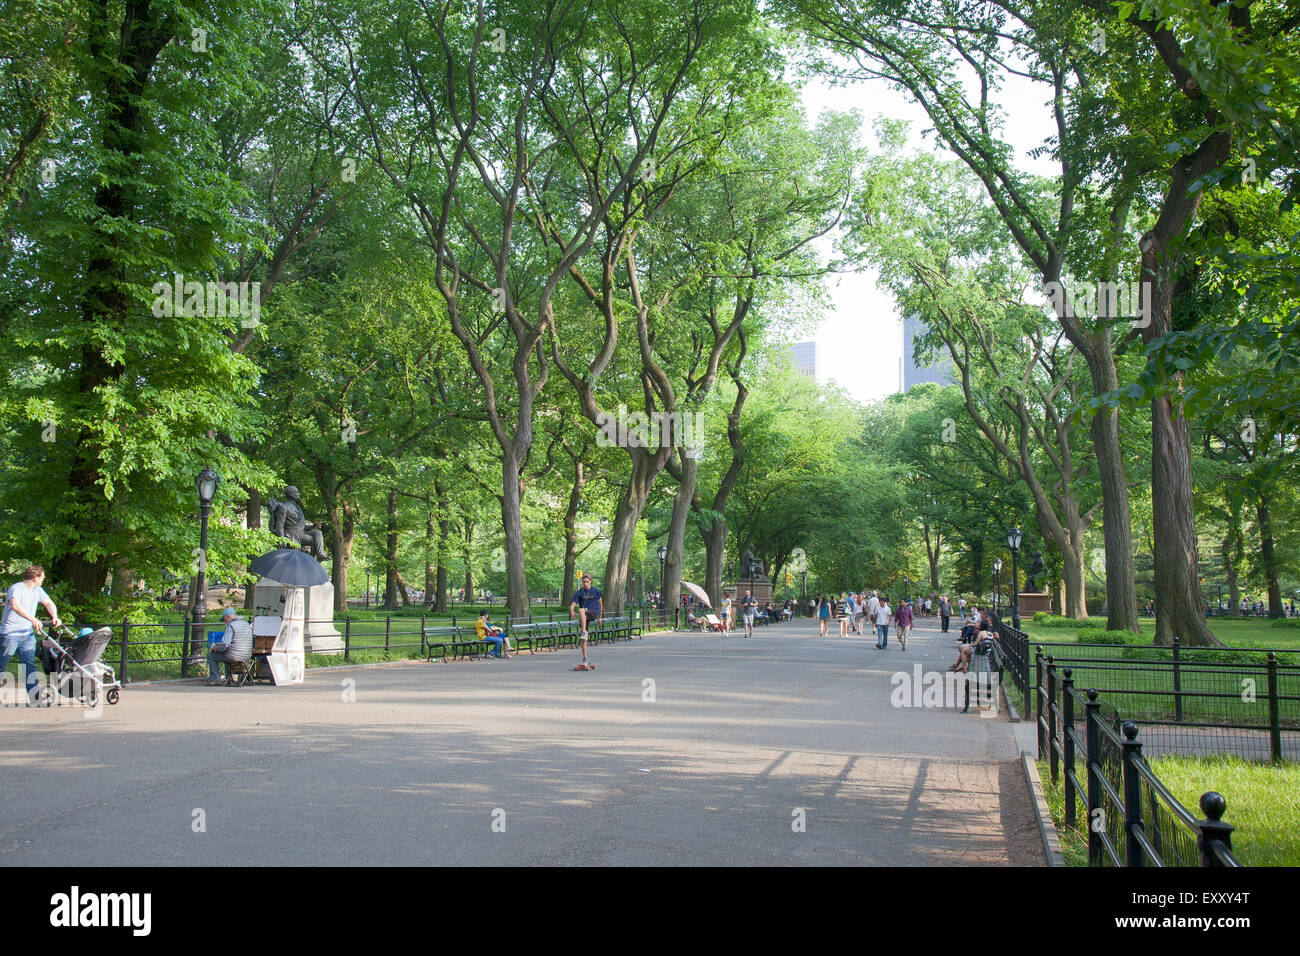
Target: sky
{"points": [[860, 341]]}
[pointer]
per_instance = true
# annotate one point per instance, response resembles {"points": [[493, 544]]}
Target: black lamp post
{"points": [[207, 483], [804, 576], [907, 585], [997, 585], [1013, 541], [663, 559]]}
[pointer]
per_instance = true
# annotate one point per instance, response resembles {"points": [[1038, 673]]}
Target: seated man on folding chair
{"points": [[235, 645]]}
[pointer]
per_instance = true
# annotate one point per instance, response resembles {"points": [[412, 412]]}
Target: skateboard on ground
{"points": [[585, 667]]}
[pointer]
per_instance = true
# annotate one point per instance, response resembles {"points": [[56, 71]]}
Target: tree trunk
{"points": [[1267, 556], [430, 559], [715, 546], [1073, 565], [1179, 604], [403, 589], [252, 519], [468, 543], [444, 539], [342, 527], [571, 530], [1232, 549], [933, 549], [513, 522], [1117, 531], [671, 588], [645, 468], [390, 552]]}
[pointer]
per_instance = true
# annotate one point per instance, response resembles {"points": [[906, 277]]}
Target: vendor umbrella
{"points": [[291, 567], [699, 592]]}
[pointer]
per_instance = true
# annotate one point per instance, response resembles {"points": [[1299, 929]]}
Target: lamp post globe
{"points": [[997, 585]]}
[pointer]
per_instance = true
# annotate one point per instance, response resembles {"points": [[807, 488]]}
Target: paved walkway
{"points": [[432, 761]]}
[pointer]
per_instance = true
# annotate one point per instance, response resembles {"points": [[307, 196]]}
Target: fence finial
{"points": [[1130, 730], [1213, 805], [1092, 693]]}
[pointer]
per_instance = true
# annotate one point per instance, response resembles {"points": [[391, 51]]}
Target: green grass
{"points": [[1262, 805], [1232, 631]]}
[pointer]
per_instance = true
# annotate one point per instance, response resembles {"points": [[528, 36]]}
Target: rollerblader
{"points": [[588, 604]]}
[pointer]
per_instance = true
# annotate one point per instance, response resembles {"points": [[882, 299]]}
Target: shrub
{"points": [[1043, 619], [1286, 622], [1092, 635]]}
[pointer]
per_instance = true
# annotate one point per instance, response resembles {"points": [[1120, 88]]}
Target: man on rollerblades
{"points": [[588, 604]]}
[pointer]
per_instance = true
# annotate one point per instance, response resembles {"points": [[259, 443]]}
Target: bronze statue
{"points": [[1036, 570], [289, 522]]}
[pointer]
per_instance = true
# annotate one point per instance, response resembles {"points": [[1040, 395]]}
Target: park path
{"points": [[527, 762]]}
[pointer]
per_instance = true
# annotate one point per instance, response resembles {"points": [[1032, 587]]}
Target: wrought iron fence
{"points": [[1131, 817], [1192, 703], [1241, 701]]}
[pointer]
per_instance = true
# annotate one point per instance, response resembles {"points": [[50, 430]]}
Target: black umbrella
{"points": [[290, 566]]}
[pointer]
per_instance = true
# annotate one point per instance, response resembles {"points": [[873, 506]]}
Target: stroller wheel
{"points": [[111, 696], [45, 696]]}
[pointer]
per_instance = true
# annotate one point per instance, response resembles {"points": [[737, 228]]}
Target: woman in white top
{"points": [[883, 615]]}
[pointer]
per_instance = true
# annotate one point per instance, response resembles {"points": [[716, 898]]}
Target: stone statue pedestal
{"points": [[760, 585], [1033, 602], [321, 637]]}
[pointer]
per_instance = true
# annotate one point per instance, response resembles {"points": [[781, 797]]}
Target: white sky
{"points": [[860, 341]]}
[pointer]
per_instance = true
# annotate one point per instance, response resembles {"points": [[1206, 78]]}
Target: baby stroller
{"points": [[76, 670]]}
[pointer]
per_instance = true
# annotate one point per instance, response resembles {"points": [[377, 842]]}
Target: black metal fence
{"points": [[178, 649], [1191, 701], [1130, 816]]}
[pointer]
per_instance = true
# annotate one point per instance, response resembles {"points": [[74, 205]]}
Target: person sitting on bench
{"points": [[490, 633], [984, 629]]}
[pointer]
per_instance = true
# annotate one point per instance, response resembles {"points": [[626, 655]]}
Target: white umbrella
{"points": [[699, 592]]}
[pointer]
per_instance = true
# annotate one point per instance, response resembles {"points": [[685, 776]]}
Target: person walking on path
{"points": [[824, 615], [18, 624], [749, 606], [945, 612], [725, 612], [589, 605], [903, 618], [883, 614]]}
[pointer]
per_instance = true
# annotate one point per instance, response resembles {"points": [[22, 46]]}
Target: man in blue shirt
{"points": [[18, 625], [590, 607]]}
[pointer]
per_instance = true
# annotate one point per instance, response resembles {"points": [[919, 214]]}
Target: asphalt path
{"points": [[680, 749]]}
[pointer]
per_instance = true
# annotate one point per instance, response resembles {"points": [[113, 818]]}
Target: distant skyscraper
{"points": [[909, 373], [805, 358]]}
